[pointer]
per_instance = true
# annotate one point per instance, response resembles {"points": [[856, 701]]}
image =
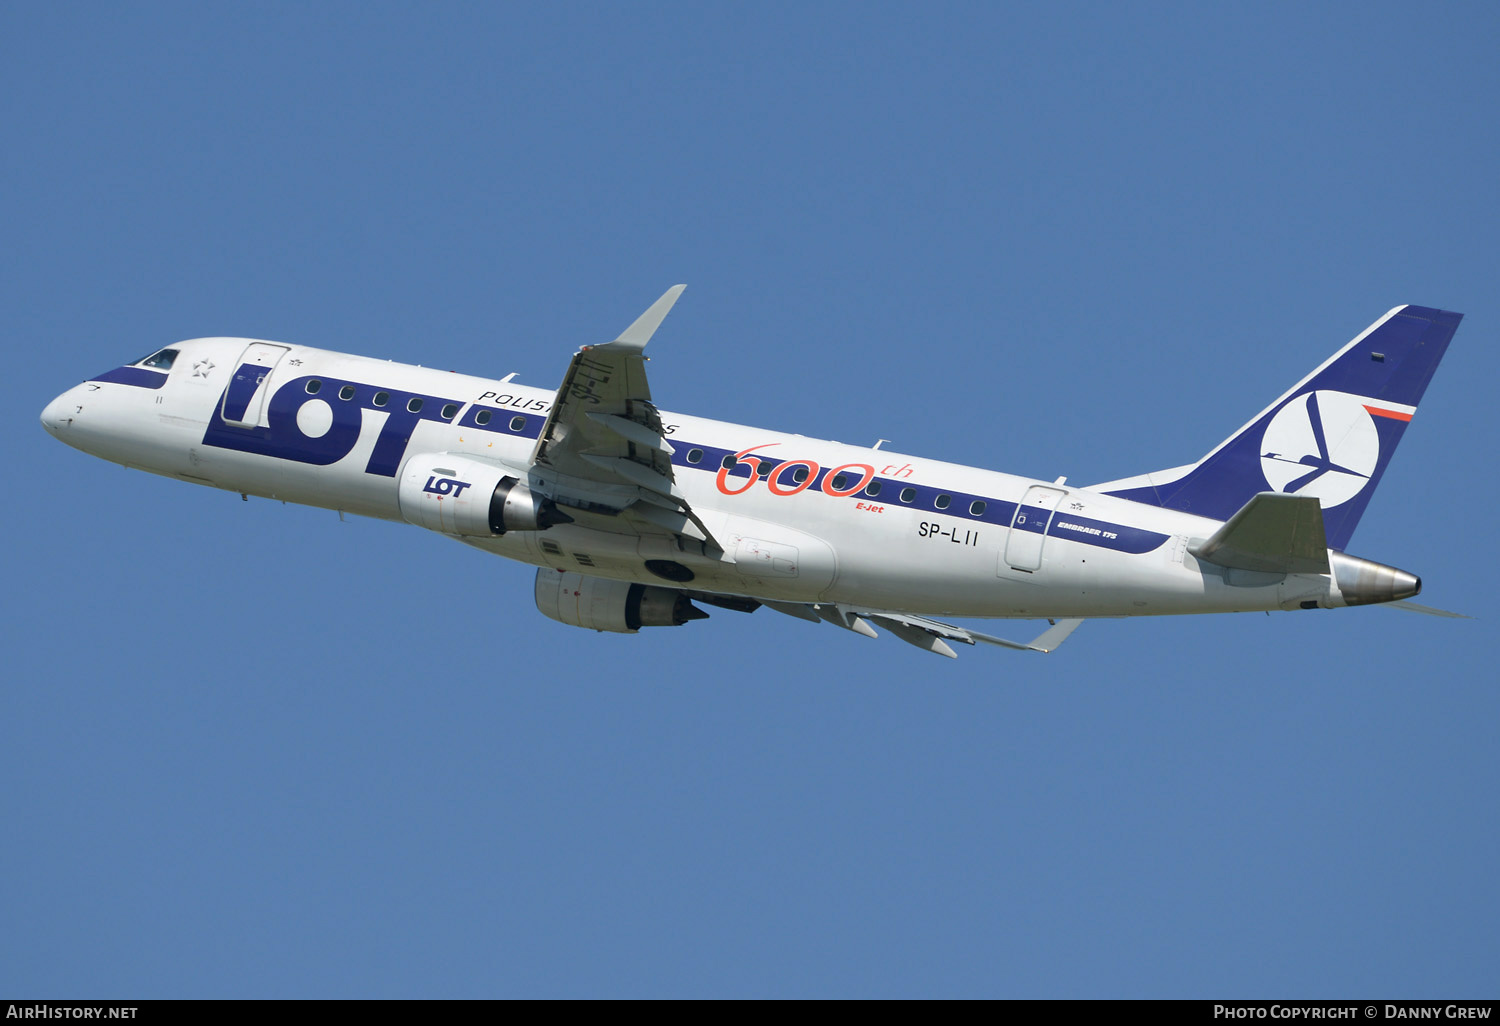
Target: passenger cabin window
{"points": [[694, 455], [482, 417], [942, 501], [347, 392], [414, 406], [381, 398], [449, 410], [313, 386], [161, 361], [518, 423], [872, 489], [908, 494], [976, 508]]}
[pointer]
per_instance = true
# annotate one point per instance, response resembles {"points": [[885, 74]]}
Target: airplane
{"points": [[632, 514]]}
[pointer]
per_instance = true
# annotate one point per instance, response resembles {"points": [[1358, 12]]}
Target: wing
{"points": [[602, 451], [929, 635]]}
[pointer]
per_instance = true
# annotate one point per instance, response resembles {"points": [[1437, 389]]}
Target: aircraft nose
{"points": [[55, 415]]}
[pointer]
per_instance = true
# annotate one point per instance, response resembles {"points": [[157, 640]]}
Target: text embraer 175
{"points": [[631, 514]]}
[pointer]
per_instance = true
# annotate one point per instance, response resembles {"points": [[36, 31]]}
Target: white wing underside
{"points": [[604, 457], [602, 451], [927, 634]]}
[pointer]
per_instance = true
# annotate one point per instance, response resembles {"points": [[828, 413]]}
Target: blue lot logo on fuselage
{"points": [[318, 420], [284, 438]]}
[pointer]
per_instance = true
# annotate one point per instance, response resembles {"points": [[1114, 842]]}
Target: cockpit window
{"points": [[161, 361]]}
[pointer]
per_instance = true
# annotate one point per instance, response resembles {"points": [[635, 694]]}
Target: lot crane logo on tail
{"points": [[1322, 444]]}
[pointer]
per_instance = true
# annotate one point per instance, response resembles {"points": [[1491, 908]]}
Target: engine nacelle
{"points": [[603, 605], [457, 495]]}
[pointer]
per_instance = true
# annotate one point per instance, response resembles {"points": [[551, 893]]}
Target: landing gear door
{"points": [[1023, 547], [250, 384]]}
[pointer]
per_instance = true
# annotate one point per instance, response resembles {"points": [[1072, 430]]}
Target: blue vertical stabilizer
{"points": [[1330, 437]]}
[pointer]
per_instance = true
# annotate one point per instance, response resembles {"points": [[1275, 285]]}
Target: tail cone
{"points": [[1363, 582]]}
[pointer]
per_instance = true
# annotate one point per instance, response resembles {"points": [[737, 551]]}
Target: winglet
{"points": [[638, 334], [1054, 636], [1047, 641]]}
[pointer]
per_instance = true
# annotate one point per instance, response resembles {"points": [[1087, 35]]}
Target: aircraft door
{"points": [[1028, 530], [245, 398]]}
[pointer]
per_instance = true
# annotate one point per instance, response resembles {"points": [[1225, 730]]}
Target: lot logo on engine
{"points": [[445, 486]]}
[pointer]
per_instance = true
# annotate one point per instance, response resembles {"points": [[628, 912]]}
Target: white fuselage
{"points": [[338, 431]]}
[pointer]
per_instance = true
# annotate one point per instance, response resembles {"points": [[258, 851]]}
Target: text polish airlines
{"points": [[632, 514]]}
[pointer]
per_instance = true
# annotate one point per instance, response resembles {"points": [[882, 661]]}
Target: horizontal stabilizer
{"points": [[1272, 533], [1417, 607]]}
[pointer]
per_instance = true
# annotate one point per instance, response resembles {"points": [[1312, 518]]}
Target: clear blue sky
{"points": [[248, 750]]}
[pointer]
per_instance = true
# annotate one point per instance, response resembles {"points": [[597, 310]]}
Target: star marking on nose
{"points": [[202, 367]]}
